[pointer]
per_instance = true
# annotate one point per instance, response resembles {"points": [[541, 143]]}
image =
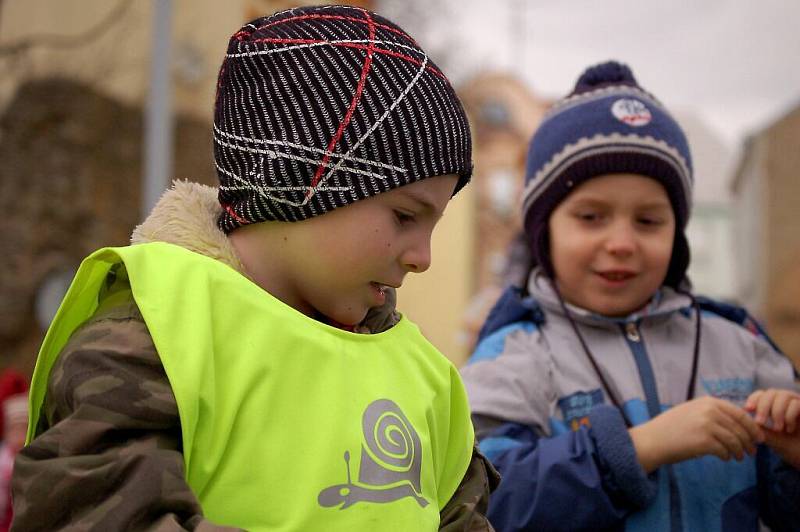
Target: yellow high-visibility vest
{"points": [[287, 423]]}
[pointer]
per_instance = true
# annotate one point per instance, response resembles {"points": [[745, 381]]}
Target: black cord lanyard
{"points": [[606, 387]]}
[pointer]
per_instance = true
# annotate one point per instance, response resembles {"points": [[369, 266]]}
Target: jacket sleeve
{"points": [[778, 491], [543, 476], [773, 368], [466, 510], [107, 453], [778, 482]]}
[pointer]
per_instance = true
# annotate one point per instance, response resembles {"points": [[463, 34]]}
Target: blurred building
{"points": [[766, 190], [503, 113], [710, 231]]}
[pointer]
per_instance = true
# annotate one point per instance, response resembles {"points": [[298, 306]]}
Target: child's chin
{"points": [[618, 309], [348, 319]]}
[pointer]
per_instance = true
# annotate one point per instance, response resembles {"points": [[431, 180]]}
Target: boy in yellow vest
{"points": [[241, 366]]}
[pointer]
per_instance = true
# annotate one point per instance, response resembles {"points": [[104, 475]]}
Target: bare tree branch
{"points": [[67, 41]]}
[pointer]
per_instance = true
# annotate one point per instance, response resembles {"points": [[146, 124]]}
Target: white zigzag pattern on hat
{"points": [[294, 145], [265, 192], [322, 43], [607, 143], [273, 153], [377, 123]]}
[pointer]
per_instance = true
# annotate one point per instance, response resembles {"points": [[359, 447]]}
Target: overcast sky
{"points": [[736, 64]]}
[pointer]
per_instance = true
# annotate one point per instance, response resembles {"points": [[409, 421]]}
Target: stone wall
{"points": [[70, 183]]}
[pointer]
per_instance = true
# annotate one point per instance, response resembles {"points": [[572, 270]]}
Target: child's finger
{"points": [[763, 406], [750, 432], [752, 400], [746, 439], [792, 413], [778, 410], [724, 445]]}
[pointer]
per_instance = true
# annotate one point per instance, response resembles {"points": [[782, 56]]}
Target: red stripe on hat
{"points": [[353, 103], [238, 218], [359, 46]]}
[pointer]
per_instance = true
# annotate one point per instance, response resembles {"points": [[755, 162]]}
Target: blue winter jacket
{"points": [[564, 453]]}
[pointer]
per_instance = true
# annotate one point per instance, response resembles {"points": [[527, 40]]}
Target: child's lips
{"points": [[380, 290], [383, 286], [616, 276]]}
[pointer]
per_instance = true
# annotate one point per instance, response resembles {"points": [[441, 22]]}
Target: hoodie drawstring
{"points": [[590, 356]]}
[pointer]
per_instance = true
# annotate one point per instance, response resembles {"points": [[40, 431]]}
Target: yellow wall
{"points": [[435, 300]]}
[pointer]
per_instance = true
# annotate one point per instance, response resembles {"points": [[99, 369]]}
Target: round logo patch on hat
{"points": [[632, 112]]}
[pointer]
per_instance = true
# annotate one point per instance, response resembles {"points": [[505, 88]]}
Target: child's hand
{"points": [[778, 412], [702, 426], [781, 407]]}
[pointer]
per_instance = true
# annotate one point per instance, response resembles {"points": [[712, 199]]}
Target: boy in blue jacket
{"points": [[606, 394]]}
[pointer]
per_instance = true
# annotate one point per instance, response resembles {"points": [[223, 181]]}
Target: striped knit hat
{"points": [[318, 107], [607, 125]]}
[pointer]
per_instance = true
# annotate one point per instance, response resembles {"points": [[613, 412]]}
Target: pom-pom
{"points": [[609, 73]]}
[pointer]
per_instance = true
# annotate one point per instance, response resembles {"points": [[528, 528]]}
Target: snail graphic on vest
{"points": [[391, 461]]}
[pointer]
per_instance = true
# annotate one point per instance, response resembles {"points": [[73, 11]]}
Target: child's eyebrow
{"points": [[603, 201], [590, 201], [424, 202], [656, 205]]}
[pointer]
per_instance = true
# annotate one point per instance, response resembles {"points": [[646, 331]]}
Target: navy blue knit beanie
{"points": [[607, 125]]}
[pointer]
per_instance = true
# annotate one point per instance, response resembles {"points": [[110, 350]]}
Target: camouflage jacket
{"points": [[107, 453]]}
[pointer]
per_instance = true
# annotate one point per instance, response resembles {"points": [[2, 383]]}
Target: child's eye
{"points": [[650, 221], [403, 217], [588, 217]]}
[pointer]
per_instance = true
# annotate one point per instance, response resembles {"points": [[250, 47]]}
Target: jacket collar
{"points": [[186, 216], [664, 302]]}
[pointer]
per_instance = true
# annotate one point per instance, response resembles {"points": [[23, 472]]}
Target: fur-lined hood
{"points": [[186, 216]]}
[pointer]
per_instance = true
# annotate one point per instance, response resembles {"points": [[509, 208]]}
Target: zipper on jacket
{"points": [[647, 376], [650, 388], [632, 332]]}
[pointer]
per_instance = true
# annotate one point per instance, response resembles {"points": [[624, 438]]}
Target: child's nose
{"points": [[417, 258], [621, 240]]}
